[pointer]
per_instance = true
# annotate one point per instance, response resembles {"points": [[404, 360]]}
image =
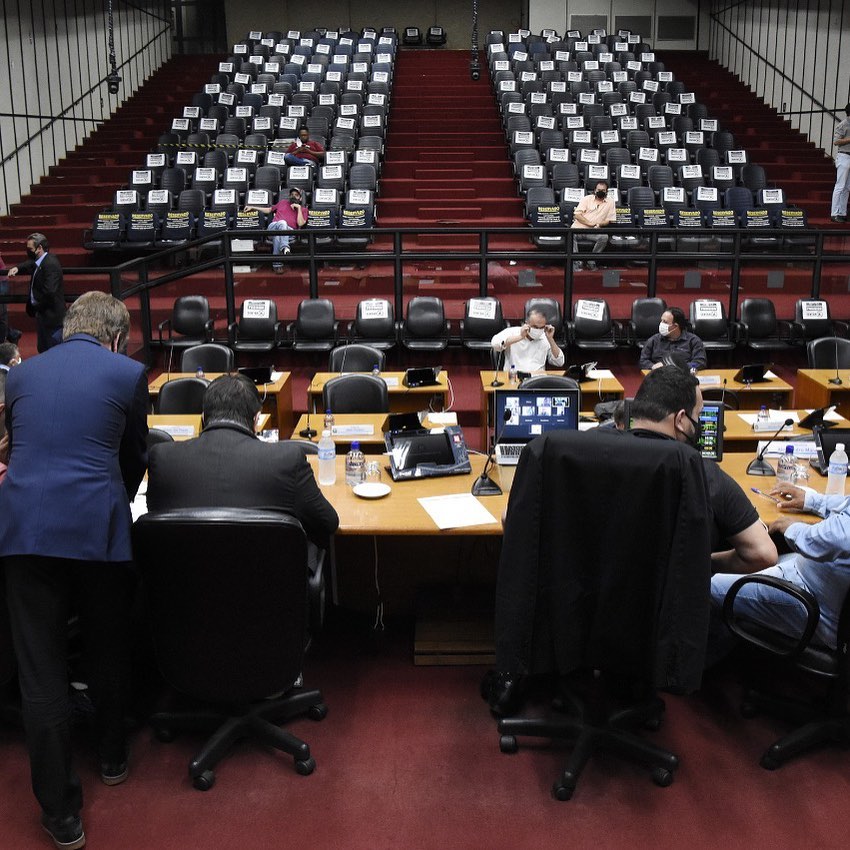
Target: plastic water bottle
{"points": [[327, 459], [329, 421], [355, 465], [376, 371], [786, 469], [763, 417], [837, 471], [200, 372], [512, 374]]}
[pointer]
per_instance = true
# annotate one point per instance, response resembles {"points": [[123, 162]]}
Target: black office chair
{"points": [[210, 356], [592, 328], [356, 358], [227, 595], [425, 327], [823, 720], [716, 333], [549, 382], [257, 330], [355, 394], [578, 600], [182, 396], [551, 309], [829, 352], [760, 330], [646, 314], [812, 320], [315, 328], [374, 324], [730, 398], [482, 320], [189, 324], [157, 436]]}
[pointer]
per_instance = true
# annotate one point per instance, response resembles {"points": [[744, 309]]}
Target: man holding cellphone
{"points": [[531, 346]]}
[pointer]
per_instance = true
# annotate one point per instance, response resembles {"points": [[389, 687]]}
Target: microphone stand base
{"points": [[308, 433], [836, 382], [759, 466], [485, 486]]}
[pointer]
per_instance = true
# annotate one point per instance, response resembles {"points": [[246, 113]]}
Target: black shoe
{"points": [[502, 692], [839, 218], [67, 833], [114, 772]]}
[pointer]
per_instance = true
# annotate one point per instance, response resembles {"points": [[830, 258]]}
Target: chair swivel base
{"points": [[257, 721], [613, 735]]}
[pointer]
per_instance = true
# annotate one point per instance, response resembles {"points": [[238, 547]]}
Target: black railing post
{"points": [[229, 291], [652, 282], [313, 266], [398, 276], [483, 264], [816, 272], [736, 277], [145, 305]]}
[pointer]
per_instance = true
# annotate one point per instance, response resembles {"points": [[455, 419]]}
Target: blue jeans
{"points": [[842, 184], [291, 159], [761, 604], [280, 242]]}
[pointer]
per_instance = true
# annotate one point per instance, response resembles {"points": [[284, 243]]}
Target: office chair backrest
{"points": [[227, 595], [425, 318], [709, 328], [375, 319], [646, 314], [254, 326], [585, 323], [190, 315], [182, 396], [549, 382], [550, 308], [210, 356], [315, 319], [157, 436], [355, 394], [356, 358], [813, 328], [477, 323], [829, 352], [759, 314]]}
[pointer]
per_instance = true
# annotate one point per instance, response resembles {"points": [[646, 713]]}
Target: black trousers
{"points": [[41, 593], [46, 335]]}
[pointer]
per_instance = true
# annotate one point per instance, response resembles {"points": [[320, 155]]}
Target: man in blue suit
{"points": [[77, 430]]}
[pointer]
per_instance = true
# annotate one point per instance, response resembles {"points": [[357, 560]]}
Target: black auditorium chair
{"points": [[602, 622], [646, 314], [425, 327], [812, 320], [355, 394], [549, 382], [315, 327], [482, 320], [823, 717], [591, 327], [210, 357], [355, 357], [182, 396], [551, 309], [189, 324], [709, 322], [257, 329], [227, 592], [759, 329], [829, 352], [157, 436], [374, 324]]}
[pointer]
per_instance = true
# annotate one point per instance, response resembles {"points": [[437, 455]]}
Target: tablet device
{"points": [[825, 443], [257, 374], [425, 377], [751, 374]]}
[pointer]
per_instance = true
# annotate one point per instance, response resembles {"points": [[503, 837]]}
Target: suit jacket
{"points": [[605, 561], [77, 417], [48, 293], [228, 467]]}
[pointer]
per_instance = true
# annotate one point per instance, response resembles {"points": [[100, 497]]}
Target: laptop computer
{"points": [[825, 441], [424, 377], [257, 374], [522, 415]]}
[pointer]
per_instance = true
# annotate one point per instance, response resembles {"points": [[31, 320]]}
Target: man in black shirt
{"points": [[667, 406], [673, 339]]}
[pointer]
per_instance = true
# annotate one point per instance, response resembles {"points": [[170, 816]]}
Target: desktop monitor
{"points": [[522, 415]]}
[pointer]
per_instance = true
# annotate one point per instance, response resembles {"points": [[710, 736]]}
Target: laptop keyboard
{"points": [[507, 454]]}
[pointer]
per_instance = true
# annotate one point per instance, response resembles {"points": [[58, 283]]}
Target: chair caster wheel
{"points": [[306, 766], [318, 711], [204, 781], [508, 744], [662, 777], [769, 762], [164, 734], [562, 791]]}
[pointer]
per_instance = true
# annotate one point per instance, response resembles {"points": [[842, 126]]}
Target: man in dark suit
{"points": [[228, 467], [47, 296], [77, 430]]}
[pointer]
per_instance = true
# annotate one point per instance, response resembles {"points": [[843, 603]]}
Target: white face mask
{"points": [[663, 329], [536, 333]]}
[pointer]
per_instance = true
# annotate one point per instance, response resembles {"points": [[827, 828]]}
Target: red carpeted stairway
{"points": [[791, 162], [64, 202], [446, 160]]}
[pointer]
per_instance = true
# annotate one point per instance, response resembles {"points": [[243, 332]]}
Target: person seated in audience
{"points": [[530, 346], [227, 466], [667, 406], [289, 214], [9, 356], [593, 213], [673, 340], [305, 151], [819, 563]]}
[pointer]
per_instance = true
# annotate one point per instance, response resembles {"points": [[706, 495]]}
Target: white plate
{"points": [[371, 490]]}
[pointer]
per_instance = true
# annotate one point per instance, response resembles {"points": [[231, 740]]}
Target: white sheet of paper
{"points": [[457, 511], [709, 380], [178, 430], [442, 418], [770, 375], [773, 415], [803, 450], [598, 374], [390, 382], [276, 376]]}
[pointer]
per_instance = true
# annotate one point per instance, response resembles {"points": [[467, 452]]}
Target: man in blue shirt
{"points": [[673, 338], [819, 563]]}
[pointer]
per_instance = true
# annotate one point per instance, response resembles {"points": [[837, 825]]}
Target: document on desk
{"points": [[803, 449], [178, 430], [457, 511], [599, 374]]}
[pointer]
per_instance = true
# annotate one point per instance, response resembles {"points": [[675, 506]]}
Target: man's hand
{"points": [[550, 332], [780, 524], [789, 497], [12, 271], [523, 332]]}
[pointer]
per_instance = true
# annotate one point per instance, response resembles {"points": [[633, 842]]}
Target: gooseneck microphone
{"points": [[496, 382], [308, 433], [758, 465], [836, 381], [484, 485]]}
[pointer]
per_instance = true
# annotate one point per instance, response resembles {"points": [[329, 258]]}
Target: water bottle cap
{"points": [[839, 447], [355, 445], [789, 449], [328, 411]]}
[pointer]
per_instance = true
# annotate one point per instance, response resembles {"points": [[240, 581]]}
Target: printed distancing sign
{"points": [[590, 310], [256, 309]]}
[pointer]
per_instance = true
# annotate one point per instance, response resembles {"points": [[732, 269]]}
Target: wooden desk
{"points": [[773, 393], [378, 421], [191, 420], [742, 437], [276, 395], [814, 389], [402, 399], [400, 514]]}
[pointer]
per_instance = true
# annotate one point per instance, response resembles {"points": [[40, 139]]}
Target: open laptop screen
{"points": [[522, 415]]}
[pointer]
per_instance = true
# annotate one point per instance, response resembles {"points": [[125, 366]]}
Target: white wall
{"points": [[51, 62]]}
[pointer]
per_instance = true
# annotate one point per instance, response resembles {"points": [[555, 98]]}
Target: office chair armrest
{"points": [[758, 637], [783, 325], [843, 327], [570, 332], [628, 331], [279, 338], [743, 332], [798, 330], [232, 332], [209, 330], [161, 327]]}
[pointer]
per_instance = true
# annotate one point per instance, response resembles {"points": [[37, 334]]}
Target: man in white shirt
{"points": [[593, 212], [530, 346]]}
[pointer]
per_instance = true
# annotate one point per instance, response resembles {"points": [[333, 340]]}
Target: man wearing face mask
{"points": [[289, 214], [667, 406], [77, 428], [46, 300], [842, 167], [672, 339], [592, 213], [531, 346]]}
